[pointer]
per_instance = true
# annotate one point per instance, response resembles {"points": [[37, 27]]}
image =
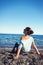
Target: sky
{"points": [[15, 15]]}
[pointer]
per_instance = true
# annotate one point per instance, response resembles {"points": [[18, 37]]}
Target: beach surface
{"points": [[32, 58]]}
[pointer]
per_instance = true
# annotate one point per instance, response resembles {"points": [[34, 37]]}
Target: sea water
{"points": [[7, 41]]}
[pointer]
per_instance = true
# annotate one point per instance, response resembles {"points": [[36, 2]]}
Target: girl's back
{"points": [[27, 42]]}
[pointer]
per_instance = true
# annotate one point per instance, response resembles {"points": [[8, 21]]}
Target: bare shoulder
{"points": [[23, 37]]}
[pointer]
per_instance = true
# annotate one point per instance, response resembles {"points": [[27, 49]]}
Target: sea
{"points": [[7, 41]]}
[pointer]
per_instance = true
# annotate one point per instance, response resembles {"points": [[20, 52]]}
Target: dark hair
{"points": [[28, 31]]}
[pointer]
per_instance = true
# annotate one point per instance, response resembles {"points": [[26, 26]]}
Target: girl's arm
{"points": [[36, 49], [18, 52]]}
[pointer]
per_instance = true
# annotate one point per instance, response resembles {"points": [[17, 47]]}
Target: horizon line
{"points": [[20, 33]]}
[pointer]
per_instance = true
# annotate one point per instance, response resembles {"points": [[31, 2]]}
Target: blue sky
{"points": [[15, 15]]}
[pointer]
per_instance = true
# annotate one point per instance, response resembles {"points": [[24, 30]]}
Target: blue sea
{"points": [[7, 41]]}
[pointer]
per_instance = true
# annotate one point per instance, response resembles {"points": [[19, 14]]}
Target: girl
{"points": [[26, 42]]}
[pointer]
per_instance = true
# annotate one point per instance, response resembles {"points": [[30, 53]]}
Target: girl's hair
{"points": [[28, 31]]}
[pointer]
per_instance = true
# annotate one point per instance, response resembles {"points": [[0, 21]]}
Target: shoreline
{"points": [[7, 48]]}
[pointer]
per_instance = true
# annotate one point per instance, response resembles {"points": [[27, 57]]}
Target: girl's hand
{"points": [[15, 57], [38, 53]]}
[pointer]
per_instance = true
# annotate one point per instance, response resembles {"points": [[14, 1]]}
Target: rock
{"points": [[1, 63], [6, 58]]}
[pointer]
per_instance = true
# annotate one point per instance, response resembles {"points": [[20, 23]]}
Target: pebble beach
{"points": [[32, 58]]}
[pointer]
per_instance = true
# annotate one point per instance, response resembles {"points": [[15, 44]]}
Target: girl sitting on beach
{"points": [[26, 42]]}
